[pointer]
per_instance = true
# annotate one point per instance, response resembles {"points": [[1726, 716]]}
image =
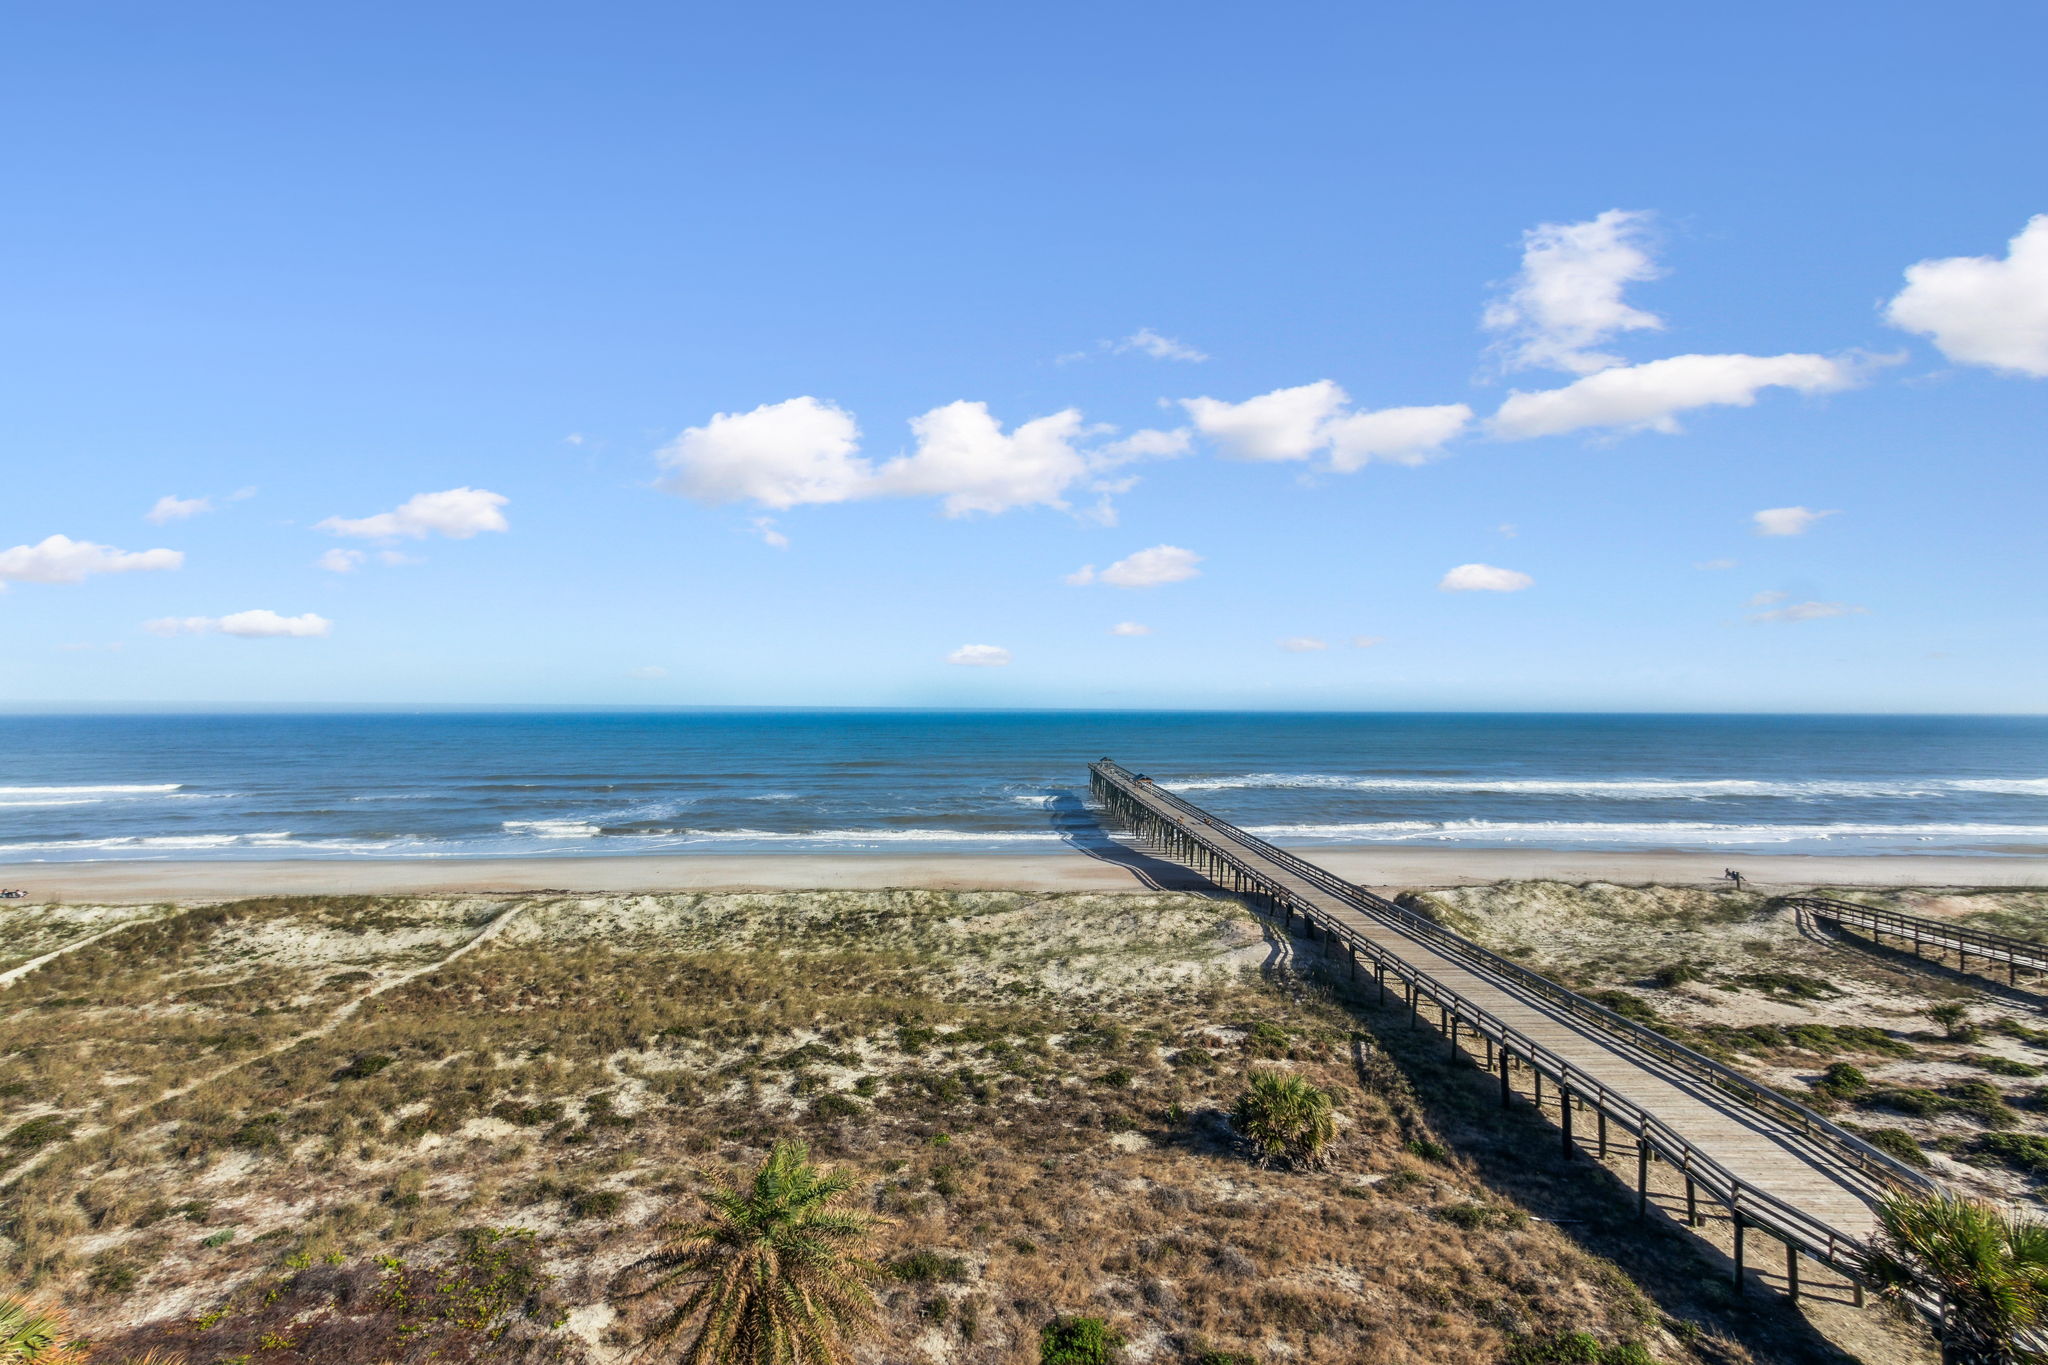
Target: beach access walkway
{"points": [[1943, 936], [1773, 1164]]}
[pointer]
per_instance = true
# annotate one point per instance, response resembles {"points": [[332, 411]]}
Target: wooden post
{"points": [[1538, 1075], [1506, 1094], [1642, 1176], [1740, 1228], [1792, 1271], [1692, 1204], [1379, 976], [1603, 1132], [1454, 1034], [1857, 1285], [1564, 1106]]}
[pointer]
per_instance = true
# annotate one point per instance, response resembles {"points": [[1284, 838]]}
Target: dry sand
{"points": [[1065, 871]]}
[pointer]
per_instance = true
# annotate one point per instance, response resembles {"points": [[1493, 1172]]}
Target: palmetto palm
{"points": [[1990, 1270], [775, 1276], [31, 1334], [1283, 1116]]}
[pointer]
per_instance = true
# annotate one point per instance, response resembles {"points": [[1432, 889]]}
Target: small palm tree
{"points": [[1285, 1118], [33, 1334], [775, 1276], [1954, 1018], [1990, 1270]]}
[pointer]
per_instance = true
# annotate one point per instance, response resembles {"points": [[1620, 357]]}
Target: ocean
{"points": [[436, 785]]}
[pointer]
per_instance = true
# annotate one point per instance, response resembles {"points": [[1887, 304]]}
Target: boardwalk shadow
{"points": [[1083, 831], [1516, 1154]]}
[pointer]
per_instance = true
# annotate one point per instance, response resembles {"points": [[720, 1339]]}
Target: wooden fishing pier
{"points": [[1619, 1089]]}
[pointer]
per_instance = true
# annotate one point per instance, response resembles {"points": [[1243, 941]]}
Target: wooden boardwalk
{"points": [[1991, 950], [1772, 1163]]}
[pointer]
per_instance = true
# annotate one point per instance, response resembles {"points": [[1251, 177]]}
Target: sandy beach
{"points": [[1065, 871]]}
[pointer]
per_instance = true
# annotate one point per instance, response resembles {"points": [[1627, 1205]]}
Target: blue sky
{"points": [[293, 269]]}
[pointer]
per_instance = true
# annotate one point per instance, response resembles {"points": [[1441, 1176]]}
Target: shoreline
{"points": [[1110, 869]]}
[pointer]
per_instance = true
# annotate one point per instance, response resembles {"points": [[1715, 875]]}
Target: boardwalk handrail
{"points": [[1993, 947], [1755, 1205]]}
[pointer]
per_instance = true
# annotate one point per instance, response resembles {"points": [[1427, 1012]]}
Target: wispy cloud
{"points": [[260, 624], [1806, 611], [60, 559], [1568, 297], [980, 656], [457, 513], [1786, 521], [1484, 578], [1146, 569]]}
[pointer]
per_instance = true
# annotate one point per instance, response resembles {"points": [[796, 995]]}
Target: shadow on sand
{"points": [[1080, 828]]}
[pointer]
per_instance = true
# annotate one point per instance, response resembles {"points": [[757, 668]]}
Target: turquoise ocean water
{"points": [[446, 785]]}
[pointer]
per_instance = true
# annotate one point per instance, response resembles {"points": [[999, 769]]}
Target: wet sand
{"points": [[1066, 871]]}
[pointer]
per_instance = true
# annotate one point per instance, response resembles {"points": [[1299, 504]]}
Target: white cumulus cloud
{"points": [[1649, 397], [764, 527], [1129, 628], [1318, 419], [980, 656], [340, 561], [250, 625], [1484, 578], [964, 457], [801, 450], [1367, 641], [170, 507], [1568, 296], [60, 559], [457, 513], [1145, 569], [1980, 310], [1303, 644], [1786, 521], [804, 450], [1807, 611]]}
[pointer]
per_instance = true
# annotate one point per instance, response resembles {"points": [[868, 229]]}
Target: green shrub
{"points": [[1223, 1358], [1841, 1080], [1267, 1040], [2001, 1066], [596, 1203], [367, 1064], [1797, 985], [1899, 1143], [927, 1267], [37, 1132], [1117, 1078], [1194, 1058], [1285, 1118], [260, 1133], [1982, 1101], [1079, 1341], [1626, 1005], [1676, 974], [1429, 1149], [2024, 1152], [1576, 1348], [836, 1106], [1908, 1099]]}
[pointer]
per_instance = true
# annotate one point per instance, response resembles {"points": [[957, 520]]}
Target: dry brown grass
{"points": [[1030, 1085]]}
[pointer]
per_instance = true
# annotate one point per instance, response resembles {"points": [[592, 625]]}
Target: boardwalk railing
{"points": [[1963, 941], [1193, 833]]}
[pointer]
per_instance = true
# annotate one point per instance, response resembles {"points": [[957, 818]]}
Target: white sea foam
{"points": [[877, 836], [553, 829], [1667, 831], [131, 790], [57, 801], [1618, 789]]}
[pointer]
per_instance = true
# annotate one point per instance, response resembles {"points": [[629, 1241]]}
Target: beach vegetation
{"points": [[1989, 1269], [1079, 1341], [1953, 1018], [1285, 1118], [777, 1272]]}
